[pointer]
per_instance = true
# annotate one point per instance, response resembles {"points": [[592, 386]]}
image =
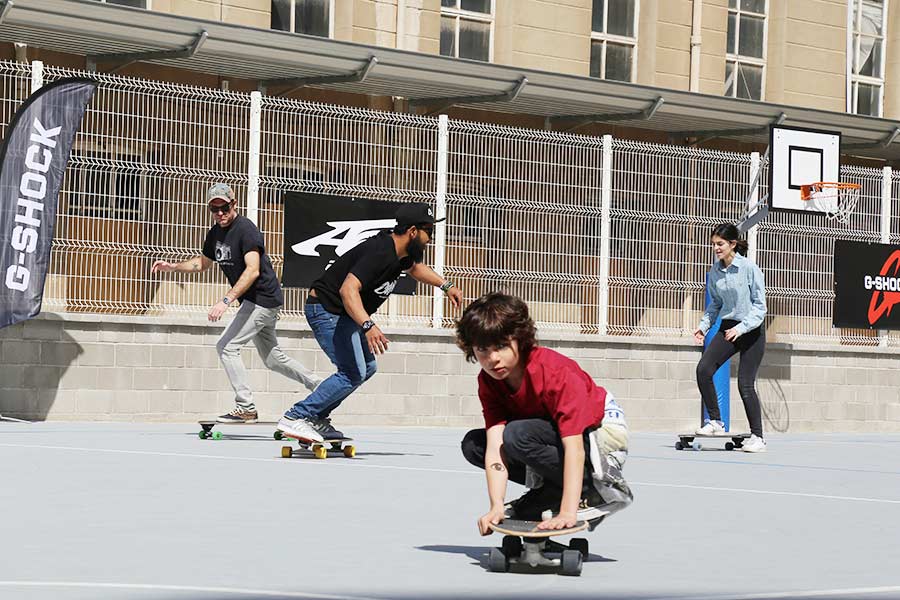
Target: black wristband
{"points": [[367, 326]]}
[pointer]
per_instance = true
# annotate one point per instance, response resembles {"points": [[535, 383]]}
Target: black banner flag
{"points": [[32, 163], [866, 285]]}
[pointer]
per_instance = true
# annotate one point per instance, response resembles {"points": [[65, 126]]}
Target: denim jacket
{"points": [[737, 292]]}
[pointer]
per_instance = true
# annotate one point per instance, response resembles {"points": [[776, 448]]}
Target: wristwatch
{"points": [[226, 300], [366, 326]]}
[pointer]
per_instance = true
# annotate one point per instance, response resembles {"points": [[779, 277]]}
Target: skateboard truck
{"points": [[524, 544]]}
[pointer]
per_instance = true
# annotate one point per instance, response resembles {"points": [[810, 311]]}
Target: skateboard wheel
{"points": [[697, 446], [570, 563], [320, 451], [729, 445], [349, 451], [278, 435], [512, 546], [580, 544], [217, 435], [202, 435], [498, 563], [287, 452], [679, 446]]}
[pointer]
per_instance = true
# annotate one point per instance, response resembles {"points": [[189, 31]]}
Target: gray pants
{"points": [[256, 323]]}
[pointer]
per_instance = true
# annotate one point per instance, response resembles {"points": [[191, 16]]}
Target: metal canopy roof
{"points": [[89, 28]]}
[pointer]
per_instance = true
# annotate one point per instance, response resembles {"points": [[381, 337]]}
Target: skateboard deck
{"points": [[206, 428], [687, 440], [319, 449], [525, 544]]}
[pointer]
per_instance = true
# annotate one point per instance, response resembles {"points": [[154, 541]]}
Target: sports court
{"points": [[150, 511]]}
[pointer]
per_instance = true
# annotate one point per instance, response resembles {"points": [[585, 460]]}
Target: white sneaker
{"points": [[711, 428], [754, 444], [300, 429]]}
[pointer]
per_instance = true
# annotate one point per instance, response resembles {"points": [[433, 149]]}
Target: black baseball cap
{"points": [[415, 213]]}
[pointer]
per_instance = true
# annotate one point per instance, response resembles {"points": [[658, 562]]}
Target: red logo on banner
{"points": [[876, 310]]}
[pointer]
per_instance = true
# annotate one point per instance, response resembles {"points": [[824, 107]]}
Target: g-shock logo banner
{"points": [[318, 229], [34, 157], [866, 285]]}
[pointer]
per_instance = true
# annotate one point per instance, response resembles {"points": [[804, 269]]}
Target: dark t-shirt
{"points": [[374, 262], [228, 246], [554, 388]]}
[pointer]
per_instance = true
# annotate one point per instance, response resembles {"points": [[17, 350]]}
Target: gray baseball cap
{"points": [[220, 190]]}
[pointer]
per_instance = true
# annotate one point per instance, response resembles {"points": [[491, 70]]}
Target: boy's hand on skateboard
{"points": [[494, 516], [560, 521]]}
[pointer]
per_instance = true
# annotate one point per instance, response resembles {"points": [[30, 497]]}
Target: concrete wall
{"points": [[63, 367]]}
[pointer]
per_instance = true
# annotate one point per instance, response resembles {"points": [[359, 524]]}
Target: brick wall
{"points": [[78, 367]]}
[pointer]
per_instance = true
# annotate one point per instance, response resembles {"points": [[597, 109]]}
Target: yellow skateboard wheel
{"points": [[349, 451], [287, 452], [320, 451]]}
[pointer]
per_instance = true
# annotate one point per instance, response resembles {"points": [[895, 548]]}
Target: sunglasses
{"points": [[220, 208], [428, 230]]}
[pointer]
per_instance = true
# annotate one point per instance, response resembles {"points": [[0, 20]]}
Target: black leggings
{"points": [[752, 346]]}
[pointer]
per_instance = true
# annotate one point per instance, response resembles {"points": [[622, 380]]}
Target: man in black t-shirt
{"points": [[237, 246], [340, 307]]}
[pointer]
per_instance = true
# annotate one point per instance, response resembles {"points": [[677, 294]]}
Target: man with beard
{"points": [[339, 310]]}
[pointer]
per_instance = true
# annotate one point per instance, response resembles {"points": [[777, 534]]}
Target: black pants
{"points": [[528, 442], [751, 346]]}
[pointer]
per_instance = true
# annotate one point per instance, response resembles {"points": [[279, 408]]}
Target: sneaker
{"points": [[712, 428], [324, 427], [239, 415], [533, 503], [301, 429], [754, 444]]}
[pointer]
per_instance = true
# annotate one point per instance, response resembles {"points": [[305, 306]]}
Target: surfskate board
{"points": [[525, 544], [689, 440]]}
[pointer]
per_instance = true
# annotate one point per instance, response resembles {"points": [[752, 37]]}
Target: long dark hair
{"points": [[730, 233]]}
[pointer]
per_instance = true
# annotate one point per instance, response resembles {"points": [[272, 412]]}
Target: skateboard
{"points": [[206, 431], [524, 543], [319, 449], [686, 440]]}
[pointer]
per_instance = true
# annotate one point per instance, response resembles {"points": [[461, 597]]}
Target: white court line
{"points": [[849, 592], [433, 470], [176, 588]]}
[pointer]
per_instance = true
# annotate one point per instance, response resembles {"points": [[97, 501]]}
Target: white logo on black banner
{"points": [[344, 236]]}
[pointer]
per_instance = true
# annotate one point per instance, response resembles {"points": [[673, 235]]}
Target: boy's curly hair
{"points": [[493, 320]]}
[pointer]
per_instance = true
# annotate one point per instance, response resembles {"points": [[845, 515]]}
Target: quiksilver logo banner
{"points": [[32, 163]]}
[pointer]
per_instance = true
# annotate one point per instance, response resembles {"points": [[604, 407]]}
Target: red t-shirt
{"points": [[554, 387]]}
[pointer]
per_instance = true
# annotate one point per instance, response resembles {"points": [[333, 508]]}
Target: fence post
{"points": [[440, 211], [753, 202], [605, 235], [37, 75], [886, 188], [253, 159]]}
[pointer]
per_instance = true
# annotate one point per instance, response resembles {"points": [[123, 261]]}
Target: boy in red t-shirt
{"points": [[548, 426]]}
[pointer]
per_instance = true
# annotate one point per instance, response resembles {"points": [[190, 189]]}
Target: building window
{"points": [[614, 39], [311, 17], [132, 3], [745, 57], [867, 77], [467, 28], [106, 185]]}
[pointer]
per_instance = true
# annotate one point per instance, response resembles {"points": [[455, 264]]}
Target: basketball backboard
{"points": [[800, 157]]}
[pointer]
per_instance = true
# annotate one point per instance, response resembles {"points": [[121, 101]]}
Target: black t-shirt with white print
{"points": [[229, 245], [375, 263]]}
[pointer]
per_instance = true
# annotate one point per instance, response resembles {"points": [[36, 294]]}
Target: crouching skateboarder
{"points": [[548, 426]]}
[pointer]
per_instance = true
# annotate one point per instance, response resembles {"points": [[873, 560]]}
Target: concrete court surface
{"points": [[151, 512]]}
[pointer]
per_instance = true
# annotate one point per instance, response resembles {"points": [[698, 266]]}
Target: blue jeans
{"points": [[345, 344]]}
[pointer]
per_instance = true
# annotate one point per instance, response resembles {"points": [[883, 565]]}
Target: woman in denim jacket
{"points": [[738, 295]]}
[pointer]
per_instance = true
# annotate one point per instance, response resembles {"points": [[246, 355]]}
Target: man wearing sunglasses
{"points": [[237, 245], [340, 307]]}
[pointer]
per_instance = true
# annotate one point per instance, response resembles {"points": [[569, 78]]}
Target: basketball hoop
{"points": [[836, 200]]}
